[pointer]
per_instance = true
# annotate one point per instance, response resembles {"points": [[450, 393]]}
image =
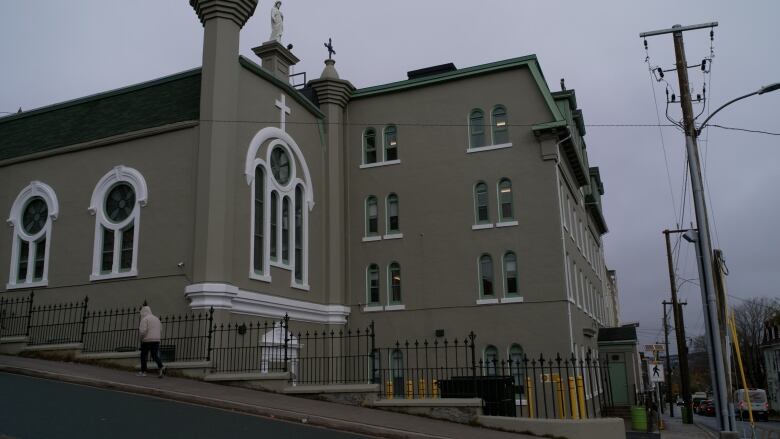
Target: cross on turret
{"points": [[329, 46]]}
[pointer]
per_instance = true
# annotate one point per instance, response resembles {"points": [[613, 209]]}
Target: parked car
{"points": [[696, 399], [707, 408], [758, 404]]}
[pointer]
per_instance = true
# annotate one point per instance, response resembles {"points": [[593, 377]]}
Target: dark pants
{"points": [[152, 347]]}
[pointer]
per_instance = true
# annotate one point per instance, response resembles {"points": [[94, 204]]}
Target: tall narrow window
{"points": [[505, 200], [500, 125], [372, 284], [298, 233], [286, 230], [516, 368], [116, 203], [486, 275], [391, 143], [491, 360], [31, 217], [274, 225], [510, 274], [477, 128], [393, 225], [258, 225], [372, 216], [369, 146], [395, 283], [481, 203], [397, 372]]}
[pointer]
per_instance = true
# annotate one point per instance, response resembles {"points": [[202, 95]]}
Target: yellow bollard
{"points": [[389, 390], [559, 392], [421, 388], [409, 389], [435, 389], [529, 395], [581, 395], [575, 412]]}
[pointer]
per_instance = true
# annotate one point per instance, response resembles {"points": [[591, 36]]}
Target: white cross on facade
{"points": [[284, 110]]}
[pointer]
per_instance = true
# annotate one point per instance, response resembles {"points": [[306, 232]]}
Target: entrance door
{"points": [[617, 379]]}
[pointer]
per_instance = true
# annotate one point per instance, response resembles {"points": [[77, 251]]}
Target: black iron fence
{"points": [[341, 356], [187, 337], [56, 323], [15, 315], [262, 347], [112, 330]]}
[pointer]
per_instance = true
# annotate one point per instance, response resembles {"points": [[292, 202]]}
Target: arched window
{"points": [[286, 230], [477, 128], [397, 372], [506, 212], [391, 143], [258, 262], [393, 224], [32, 215], [274, 226], [372, 284], [481, 209], [517, 367], [116, 204], [372, 216], [486, 276], [510, 274], [491, 360], [394, 272], [369, 146], [500, 125], [298, 232]]}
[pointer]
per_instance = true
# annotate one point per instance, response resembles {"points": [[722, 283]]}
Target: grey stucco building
{"points": [[457, 200]]}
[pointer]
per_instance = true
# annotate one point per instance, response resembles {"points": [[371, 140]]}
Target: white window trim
{"points": [[471, 150], [505, 221], [372, 238], [370, 304], [487, 301], [373, 308], [397, 307], [393, 236], [384, 147], [507, 224], [512, 299], [134, 178], [380, 164], [482, 226], [45, 192], [393, 306]]}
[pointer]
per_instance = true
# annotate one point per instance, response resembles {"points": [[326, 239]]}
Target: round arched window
{"points": [[280, 166], [35, 215], [120, 202]]}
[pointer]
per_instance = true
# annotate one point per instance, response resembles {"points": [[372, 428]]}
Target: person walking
{"points": [[149, 331]]}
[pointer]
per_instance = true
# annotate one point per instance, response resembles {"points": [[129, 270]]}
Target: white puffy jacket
{"points": [[150, 328]]}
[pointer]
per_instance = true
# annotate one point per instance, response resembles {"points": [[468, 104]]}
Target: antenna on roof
{"points": [[563, 85]]}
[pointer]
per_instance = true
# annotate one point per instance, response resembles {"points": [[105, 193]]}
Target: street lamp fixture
{"points": [[760, 91]]}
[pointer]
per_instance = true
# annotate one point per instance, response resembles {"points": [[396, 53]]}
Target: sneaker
{"points": [[161, 372], [140, 374]]}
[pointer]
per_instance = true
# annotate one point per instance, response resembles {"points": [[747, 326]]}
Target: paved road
{"points": [[744, 427], [32, 408]]}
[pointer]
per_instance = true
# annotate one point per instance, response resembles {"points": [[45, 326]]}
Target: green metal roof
{"points": [[150, 104]]}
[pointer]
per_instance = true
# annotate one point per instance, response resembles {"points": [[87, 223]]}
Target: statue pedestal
{"points": [[276, 58]]}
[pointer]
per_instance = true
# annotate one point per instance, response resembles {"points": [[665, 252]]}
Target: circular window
{"points": [[120, 202], [280, 166], [35, 215]]}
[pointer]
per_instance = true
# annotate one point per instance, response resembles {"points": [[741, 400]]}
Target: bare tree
{"points": [[750, 317]]}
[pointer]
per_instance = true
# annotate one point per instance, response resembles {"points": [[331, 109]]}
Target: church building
{"points": [[455, 200]]}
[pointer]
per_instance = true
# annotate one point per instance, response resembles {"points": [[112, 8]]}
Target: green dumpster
{"points": [[638, 418]]}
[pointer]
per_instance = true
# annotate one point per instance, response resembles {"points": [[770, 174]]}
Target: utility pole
{"points": [[702, 238], [668, 383], [679, 331]]}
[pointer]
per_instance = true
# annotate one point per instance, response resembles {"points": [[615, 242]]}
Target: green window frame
{"points": [[516, 368], [510, 274], [486, 283], [481, 203], [257, 235], [500, 125], [372, 216], [372, 284], [391, 142], [394, 275], [491, 360], [393, 215], [505, 204], [369, 146], [477, 128]]}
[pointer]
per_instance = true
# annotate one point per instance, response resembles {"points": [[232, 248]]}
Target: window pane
{"points": [[392, 213], [510, 270], [24, 254], [369, 145], [391, 143], [274, 226], [373, 283], [372, 213], [285, 230], [259, 214], [40, 259], [505, 198], [120, 202], [107, 260], [126, 262], [477, 129], [486, 274], [491, 359], [500, 126], [482, 203], [395, 283], [35, 215], [298, 233]]}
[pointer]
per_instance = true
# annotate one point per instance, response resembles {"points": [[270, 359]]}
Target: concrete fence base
{"points": [[462, 410], [351, 394], [605, 428]]}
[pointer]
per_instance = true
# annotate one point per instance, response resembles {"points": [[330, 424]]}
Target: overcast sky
{"points": [[53, 51]]}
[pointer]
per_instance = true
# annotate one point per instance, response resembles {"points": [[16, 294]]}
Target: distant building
{"points": [[771, 350], [452, 201]]}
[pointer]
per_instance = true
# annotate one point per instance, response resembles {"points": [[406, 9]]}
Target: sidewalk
{"points": [[358, 420], [675, 429]]}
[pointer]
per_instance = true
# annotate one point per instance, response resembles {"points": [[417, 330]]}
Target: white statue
{"points": [[277, 22]]}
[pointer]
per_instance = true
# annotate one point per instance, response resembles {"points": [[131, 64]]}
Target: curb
{"points": [[706, 430], [266, 412]]}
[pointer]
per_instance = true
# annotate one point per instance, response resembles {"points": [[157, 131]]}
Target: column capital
{"points": [[238, 11]]}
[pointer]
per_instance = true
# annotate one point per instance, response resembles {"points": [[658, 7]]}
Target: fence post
{"points": [[29, 314], [83, 317], [285, 330], [211, 332], [472, 336], [373, 351]]}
